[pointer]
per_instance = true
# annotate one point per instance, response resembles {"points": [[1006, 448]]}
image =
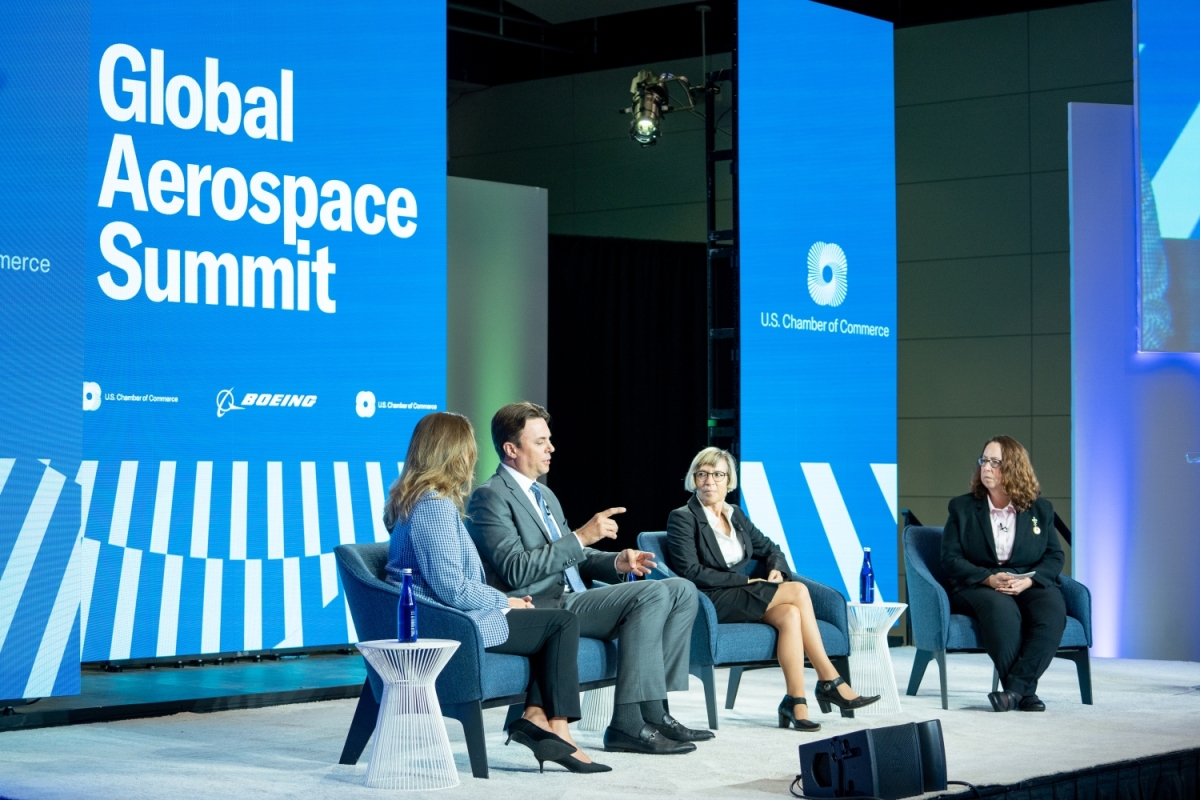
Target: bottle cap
{"points": [[865, 550], [409, 571]]}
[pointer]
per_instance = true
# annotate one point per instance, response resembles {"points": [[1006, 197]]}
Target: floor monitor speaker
{"points": [[890, 763]]}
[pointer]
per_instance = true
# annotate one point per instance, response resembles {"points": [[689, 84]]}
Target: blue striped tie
{"points": [[574, 579]]}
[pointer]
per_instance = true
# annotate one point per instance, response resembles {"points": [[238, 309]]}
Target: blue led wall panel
{"points": [[817, 190], [43, 167], [266, 309], [1168, 122]]}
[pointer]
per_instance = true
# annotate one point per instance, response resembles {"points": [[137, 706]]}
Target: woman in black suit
{"points": [[1002, 556], [709, 542]]}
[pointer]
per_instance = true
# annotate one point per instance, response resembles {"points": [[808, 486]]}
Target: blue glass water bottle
{"points": [[866, 579], [407, 612]]}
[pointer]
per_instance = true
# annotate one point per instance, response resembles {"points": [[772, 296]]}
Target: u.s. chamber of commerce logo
{"points": [[827, 274], [226, 402]]}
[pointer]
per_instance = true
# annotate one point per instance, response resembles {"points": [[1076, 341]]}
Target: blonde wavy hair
{"points": [[441, 458], [1016, 474]]}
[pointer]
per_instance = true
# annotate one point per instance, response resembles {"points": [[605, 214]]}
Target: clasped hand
{"points": [[520, 602], [774, 576], [1005, 583]]}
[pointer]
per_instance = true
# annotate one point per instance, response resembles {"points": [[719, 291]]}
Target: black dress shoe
{"points": [[1004, 700], [546, 745], [575, 765], [1031, 702], [828, 696], [648, 740], [674, 729], [787, 715]]}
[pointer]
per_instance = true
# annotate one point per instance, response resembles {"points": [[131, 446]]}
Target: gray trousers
{"points": [[653, 620]]}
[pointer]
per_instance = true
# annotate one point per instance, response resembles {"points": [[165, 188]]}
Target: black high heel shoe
{"points": [[787, 715], [575, 765], [546, 745], [828, 696]]}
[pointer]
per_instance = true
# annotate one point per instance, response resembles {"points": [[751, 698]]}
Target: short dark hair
{"points": [[509, 422]]}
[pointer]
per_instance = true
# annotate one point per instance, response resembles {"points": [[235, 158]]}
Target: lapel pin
{"points": [[1036, 529]]}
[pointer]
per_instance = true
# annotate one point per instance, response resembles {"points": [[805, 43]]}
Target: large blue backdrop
{"points": [[817, 222], [262, 264]]}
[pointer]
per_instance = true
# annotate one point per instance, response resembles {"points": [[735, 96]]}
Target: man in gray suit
{"points": [[529, 550]]}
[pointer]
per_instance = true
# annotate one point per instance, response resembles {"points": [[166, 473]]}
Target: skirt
{"points": [[742, 603]]}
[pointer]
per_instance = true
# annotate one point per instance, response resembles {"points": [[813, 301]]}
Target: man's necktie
{"points": [[574, 579]]}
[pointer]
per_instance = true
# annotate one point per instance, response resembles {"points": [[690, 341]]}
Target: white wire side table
{"points": [[870, 662], [411, 750], [597, 708]]}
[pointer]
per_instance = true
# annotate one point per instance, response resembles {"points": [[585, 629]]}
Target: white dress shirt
{"points": [[731, 546], [527, 487], [1004, 529]]}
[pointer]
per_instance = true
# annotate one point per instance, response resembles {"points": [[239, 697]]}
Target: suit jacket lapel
{"points": [[707, 535], [522, 501], [984, 517]]}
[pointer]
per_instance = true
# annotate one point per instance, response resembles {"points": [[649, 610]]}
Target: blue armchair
{"points": [[936, 631], [473, 679], [750, 645]]}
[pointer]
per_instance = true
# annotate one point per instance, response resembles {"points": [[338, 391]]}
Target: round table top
{"points": [[419, 644], [854, 604]]}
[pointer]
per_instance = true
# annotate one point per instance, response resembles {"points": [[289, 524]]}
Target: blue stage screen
{"points": [[265, 297], [817, 234], [1168, 121]]}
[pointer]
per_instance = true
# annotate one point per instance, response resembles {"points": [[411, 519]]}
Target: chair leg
{"points": [[1083, 668], [515, 712], [940, 657], [471, 716], [362, 726], [735, 679], [705, 674], [920, 662]]}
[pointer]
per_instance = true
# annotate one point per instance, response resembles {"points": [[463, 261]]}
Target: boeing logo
{"points": [[225, 402], [826, 274]]}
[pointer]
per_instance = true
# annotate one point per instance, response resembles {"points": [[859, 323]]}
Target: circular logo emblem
{"points": [[827, 274], [225, 402]]}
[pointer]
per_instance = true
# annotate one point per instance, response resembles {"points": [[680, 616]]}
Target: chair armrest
{"points": [[829, 604], [928, 606], [704, 633], [462, 679], [1079, 603]]}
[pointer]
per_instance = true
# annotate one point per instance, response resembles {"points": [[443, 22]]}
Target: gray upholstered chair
{"points": [[741, 646], [473, 679], [936, 631]]}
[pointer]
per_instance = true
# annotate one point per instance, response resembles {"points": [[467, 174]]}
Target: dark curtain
{"points": [[627, 377]]}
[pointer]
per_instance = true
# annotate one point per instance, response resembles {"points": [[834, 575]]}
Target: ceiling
{"points": [[492, 42]]}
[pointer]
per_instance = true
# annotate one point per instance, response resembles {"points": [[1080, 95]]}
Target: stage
{"points": [[1142, 709]]}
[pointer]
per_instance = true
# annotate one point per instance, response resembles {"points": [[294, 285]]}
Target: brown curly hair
{"points": [[1016, 474]]}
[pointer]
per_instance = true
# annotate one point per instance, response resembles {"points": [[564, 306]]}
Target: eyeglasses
{"points": [[995, 462], [701, 477]]}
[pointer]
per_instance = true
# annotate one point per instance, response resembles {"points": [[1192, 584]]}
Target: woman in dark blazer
{"points": [[1001, 554], [709, 542]]}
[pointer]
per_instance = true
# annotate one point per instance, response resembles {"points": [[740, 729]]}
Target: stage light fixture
{"points": [[651, 101]]}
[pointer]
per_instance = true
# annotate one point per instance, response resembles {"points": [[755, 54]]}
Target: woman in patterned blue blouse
{"points": [[424, 514]]}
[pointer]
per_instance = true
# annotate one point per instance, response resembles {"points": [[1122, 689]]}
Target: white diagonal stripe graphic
{"points": [[26, 547], [375, 488], [274, 509], [6, 465], [164, 498], [835, 518], [237, 511], [127, 591], [885, 476], [345, 508], [58, 629], [293, 616], [168, 610], [91, 557], [329, 581], [118, 533], [760, 505], [201, 508], [210, 626], [252, 605], [1177, 183], [310, 508]]}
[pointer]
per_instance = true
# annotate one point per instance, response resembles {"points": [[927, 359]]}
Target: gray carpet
{"points": [[1142, 708]]}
